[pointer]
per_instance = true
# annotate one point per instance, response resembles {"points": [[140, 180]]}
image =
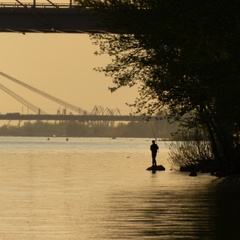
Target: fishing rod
{"points": [[154, 133]]}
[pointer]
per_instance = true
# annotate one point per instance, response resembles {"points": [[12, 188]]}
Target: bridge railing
{"points": [[34, 4]]}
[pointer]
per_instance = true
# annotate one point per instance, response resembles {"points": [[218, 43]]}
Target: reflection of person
{"points": [[154, 149]]}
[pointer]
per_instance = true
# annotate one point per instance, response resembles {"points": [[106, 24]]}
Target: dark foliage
{"points": [[185, 57]]}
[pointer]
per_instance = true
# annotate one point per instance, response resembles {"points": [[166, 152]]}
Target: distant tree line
{"points": [[152, 129]]}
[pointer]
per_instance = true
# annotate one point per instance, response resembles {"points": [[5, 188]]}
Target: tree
{"points": [[185, 56]]}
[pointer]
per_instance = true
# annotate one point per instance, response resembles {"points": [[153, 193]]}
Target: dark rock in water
{"points": [[220, 174], [193, 174], [156, 168]]}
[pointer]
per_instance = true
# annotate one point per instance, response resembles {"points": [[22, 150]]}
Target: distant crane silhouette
{"points": [[26, 103], [31, 106], [98, 114], [99, 110]]}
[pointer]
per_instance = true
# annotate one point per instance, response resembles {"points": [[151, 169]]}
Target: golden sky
{"points": [[61, 65]]}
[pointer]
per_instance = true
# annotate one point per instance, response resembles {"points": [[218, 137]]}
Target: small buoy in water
{"points": [[193, 174]]}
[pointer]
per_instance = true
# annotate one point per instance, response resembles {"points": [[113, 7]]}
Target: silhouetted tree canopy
{"points": [[185, 56]]}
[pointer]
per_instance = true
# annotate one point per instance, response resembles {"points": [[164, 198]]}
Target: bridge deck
{"points": [[81, 118], [48, 18]]}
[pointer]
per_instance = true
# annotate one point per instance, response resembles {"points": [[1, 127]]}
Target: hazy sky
{"points": [[61, 65]]}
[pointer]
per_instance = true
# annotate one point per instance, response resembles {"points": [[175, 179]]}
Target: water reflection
{"points": [[227, 208], [71, 194], [195, 210]]}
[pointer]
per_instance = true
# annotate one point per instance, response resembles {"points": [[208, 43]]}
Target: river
{"points": [[98, 188]]}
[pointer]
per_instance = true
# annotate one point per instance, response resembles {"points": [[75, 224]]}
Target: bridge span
{"points": [[80, 118], [50, 18]]}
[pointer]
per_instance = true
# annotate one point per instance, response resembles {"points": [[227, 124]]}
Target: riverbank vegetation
{"points": [[184, 56], [192, 152]]}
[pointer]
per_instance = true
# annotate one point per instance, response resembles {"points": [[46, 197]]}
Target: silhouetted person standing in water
{"points": [[154, 149]]}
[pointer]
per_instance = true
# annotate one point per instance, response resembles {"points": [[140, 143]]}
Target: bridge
{"points": [[76, 114], [50, 17], [80, 118]]}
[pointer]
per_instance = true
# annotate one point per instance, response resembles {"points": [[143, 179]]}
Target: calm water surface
{"points": [[99, 189]]}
